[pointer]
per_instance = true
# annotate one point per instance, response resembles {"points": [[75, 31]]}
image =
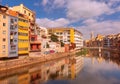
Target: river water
{"points": [[97, 69]]}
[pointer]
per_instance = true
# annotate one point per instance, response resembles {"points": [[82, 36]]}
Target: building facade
{"points": [[68, 36], [111, 41], [24, 10], [23, 34], [34, 44], [8, 33]]}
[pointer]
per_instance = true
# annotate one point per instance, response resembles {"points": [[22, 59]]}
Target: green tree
{"points": [[54, 38]]}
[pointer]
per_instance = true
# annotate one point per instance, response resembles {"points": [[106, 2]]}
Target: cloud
{"points": [[44, 2], [45, 22], [78, 9], [59, 3], [50, 5], [88, 11], [103, 27], [82, 9]]}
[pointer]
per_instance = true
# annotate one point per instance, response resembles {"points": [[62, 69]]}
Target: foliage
{"points": [[54, 38], [84, 51]]}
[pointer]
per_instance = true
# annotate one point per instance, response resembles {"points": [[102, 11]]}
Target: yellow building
{"points": [[68, 35], [24, 10], [33, 36], [23, 34]]}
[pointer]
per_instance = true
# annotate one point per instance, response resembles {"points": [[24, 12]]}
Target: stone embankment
{"points": [[17, 63]]}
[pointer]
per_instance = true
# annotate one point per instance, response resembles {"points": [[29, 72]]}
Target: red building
{"points": [[35, 45]]}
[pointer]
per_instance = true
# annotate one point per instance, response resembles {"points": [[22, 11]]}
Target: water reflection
{"points": [[66, 68], [107, 55], [98, 68]]}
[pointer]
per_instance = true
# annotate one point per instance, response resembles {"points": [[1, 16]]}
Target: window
{"points": [[22, 40], [3, 52], [29, 14], [15, 20], [4, 16], [23, 49], [24, 11], [13, 47], [57, 33], [11, 27], [60, 33], [15, 33], [3, 46], [4, 24], [4, 39], [12, 52], [32, 39], [4, 32], [68, 40], [11, 21], [22, 34]]}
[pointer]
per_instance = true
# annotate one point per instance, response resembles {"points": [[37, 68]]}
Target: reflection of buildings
{"points": [[9, 80], [100, 59], [93, 60], [40, 73], [19, 76], [23, 78], [108, 55], [75, 67], [35, 75]]}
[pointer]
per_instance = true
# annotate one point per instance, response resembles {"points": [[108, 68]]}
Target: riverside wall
{"points": [[17, 63]]}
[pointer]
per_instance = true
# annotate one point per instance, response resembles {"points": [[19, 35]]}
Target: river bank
{"points": [[17, 63]]}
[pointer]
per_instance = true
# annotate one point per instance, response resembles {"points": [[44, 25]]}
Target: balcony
{"points": [[35, 42]]}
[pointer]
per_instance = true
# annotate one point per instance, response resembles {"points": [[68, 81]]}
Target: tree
{"points": [[54, 38]]}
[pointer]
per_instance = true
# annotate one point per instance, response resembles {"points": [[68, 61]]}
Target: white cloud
{"points": [[89, 21], [53, 4], [80, 9], [59, 3], [86, 9], [104, 27], [45, 22], [44, 2]]}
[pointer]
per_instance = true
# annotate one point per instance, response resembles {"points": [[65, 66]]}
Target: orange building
{"points": [[8, 33]]}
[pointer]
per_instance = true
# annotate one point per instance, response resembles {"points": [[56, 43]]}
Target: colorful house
{"points": [[8, 33]]}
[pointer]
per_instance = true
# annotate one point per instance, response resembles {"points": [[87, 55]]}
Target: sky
{"points": [[98, 16]]}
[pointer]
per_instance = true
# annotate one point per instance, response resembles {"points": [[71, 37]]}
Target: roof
{"points": [[3, 8], [13, 13], [64, 28]]}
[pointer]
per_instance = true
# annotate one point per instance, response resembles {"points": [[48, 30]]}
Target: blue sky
{"points": [[99, 16]]}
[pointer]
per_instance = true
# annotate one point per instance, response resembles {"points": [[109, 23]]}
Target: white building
{"points": [[68, 35]]}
